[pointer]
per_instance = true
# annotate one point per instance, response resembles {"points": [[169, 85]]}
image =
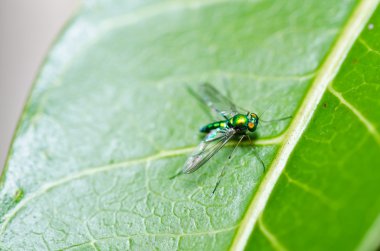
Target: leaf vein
{"points": [[276, 244], [369, 48], [316, 193], [98, 169], [174, 235], [327, 72], [371, 128]]}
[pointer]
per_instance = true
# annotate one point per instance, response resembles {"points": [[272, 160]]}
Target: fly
{"points": [[233, 124]]}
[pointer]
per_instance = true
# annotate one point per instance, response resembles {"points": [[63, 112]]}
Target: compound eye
{"points": [[251, 125], [253, 115]]}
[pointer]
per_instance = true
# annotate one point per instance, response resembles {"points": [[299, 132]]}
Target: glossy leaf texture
{"points": [[332, 178], [109, 120]]}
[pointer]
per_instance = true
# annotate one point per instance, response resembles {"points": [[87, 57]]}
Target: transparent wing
{"points": [[212, 143], [217, 101]]}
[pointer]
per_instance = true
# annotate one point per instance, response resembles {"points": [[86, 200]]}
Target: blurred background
{"points": [[27, 29]]}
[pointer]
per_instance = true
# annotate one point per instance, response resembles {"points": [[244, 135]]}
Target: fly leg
{"points": [[256, 153], [224, 167], [175, 175]]}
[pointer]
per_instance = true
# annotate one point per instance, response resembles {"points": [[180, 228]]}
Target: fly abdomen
{"points": [[215, 125]]}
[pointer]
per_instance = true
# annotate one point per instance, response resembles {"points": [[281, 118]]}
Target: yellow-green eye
{"points": [[251, 125]]}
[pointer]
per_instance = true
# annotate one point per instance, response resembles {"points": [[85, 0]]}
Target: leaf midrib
{"points": [[177, 152], [325, 75]]}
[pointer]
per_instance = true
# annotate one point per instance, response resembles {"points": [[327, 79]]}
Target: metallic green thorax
{"points": [[240, 122]]}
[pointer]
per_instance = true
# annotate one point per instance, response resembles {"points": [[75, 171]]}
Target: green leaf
{"points": [[109, 120], [330, 185]]}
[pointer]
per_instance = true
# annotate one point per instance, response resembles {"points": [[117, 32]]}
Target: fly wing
{"points": [[212, 143], [217, 101]]}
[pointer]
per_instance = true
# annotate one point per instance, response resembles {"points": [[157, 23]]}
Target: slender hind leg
{"points": [[224, 167], [256, 153], [175, 175]]}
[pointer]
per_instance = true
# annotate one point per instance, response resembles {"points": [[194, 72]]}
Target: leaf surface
{"points": [[331, 178], [109, 120]]}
